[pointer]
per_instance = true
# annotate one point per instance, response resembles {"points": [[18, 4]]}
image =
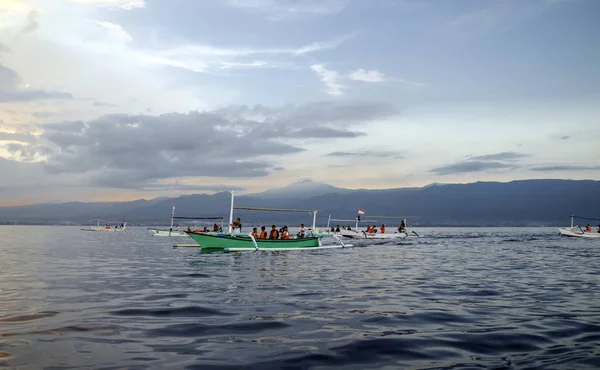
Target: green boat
{"points": [[241, 242], [238, 242]]}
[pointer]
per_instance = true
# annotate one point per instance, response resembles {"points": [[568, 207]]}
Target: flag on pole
{"points": [[361, 211]]}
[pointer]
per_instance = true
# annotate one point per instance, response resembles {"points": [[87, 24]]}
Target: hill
{"points": [[515, 203]]}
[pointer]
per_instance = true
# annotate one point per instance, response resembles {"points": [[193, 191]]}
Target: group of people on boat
{"points": [[370, 228], [107, 226], [216, 228], [588, 228], [282, 233]]}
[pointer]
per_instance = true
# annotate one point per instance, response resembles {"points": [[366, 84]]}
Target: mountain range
{"points": [[515, 203]]}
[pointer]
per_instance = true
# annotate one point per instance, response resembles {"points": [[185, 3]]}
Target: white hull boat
{"points": [[580, 232], [175, 232], [353, 234], [361, 234], [166, 232], [108, 228]]}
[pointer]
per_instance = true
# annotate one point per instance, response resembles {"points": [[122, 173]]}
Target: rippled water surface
{"points": [[455, 298]]}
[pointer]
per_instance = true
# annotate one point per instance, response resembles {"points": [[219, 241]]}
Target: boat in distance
{"points": [[579, 232], [176, 232], [107, 227]]}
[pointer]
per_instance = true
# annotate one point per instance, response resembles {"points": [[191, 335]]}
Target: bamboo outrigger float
{"points": [[239, 242]]}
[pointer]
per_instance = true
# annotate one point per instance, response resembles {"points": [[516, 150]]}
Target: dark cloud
{"points": [[471, 166], [132, 151], [21, 137], [565, 168], [10, 91], [566, 137], [103, 104], [504, 156], [367, 153]]}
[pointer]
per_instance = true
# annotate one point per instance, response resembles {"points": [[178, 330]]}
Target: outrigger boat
{"points": [[106, 227], [578, 231], [176, 232], [361, 234], [239, 242]]}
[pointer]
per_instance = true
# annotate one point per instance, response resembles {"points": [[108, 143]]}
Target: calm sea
{"points": [[456, 298]]}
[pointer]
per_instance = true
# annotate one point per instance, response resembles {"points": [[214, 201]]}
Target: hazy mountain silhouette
{"points": [[516, 203]]}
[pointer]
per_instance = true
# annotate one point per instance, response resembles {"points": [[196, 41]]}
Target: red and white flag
{"points": [[361, 211]]}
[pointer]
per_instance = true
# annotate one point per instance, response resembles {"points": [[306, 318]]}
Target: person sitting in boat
{"points": [[599, 228], [588, 228], [189, 229], [274, 233], [382, 229], [197, 231], [402, 228], [255, 233], [263, 233], [216, 228], [285, 235], [337, 229], [205, 229], [302, 232], [332, 229], [237, 224]]}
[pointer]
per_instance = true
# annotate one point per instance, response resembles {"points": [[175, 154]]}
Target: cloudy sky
{"points": [[122, 99]]}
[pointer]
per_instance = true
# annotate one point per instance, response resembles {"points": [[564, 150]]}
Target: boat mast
{"points": [[571, 221], [231, 213], [172, 215], [314, 225], [328, 221]]}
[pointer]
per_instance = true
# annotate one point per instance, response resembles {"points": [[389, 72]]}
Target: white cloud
{"points": [[202, 57], [330, 78], [278, 10], [116, 30], [123, 4], [367, 76]]}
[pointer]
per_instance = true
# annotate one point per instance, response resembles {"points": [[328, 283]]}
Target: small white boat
{"points": [[353, 234], [360, 234], [176, 232], [107, 226], [580, 232], [166, 232]]}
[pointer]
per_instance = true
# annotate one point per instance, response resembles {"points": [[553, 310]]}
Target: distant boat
{"points": [[581, 232], [107, 226], [176, 232], [359, 234]]}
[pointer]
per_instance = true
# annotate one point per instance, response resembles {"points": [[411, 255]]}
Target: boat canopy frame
{"points": [[173, 217], [313, 211], [582, 218]]}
